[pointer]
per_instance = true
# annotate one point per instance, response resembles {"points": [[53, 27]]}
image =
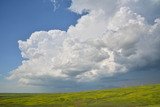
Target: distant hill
{"points": [[139, 96]]}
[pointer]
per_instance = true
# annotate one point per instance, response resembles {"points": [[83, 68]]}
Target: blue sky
{"points": [[82, 45], [20, 18]]}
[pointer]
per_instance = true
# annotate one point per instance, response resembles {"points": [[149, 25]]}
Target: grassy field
{"points": [[141, 96]]}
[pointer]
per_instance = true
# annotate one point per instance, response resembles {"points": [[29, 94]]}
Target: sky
{"points": [[75, 45]]}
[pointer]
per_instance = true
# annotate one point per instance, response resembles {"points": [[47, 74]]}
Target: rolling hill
{"points": [[137, 96]]}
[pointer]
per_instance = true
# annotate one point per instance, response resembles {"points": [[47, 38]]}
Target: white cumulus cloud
{"points": [[114, 37]]}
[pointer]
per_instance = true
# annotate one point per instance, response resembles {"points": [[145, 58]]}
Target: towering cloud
{"points": [[116, 36]]}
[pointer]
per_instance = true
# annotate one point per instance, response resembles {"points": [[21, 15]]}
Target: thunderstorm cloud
{"points": [[115, 36]]}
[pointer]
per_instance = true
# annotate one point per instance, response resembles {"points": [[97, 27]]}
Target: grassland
{"points": [[140, 96]]}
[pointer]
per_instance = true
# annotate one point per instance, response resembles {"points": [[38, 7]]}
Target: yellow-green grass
{"points": [[139, 96]]}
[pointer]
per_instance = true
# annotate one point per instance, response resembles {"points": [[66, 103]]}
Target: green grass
{"points": [[140, 96]]}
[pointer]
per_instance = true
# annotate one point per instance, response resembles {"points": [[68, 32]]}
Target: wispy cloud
{"points": [[56, 4]]}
